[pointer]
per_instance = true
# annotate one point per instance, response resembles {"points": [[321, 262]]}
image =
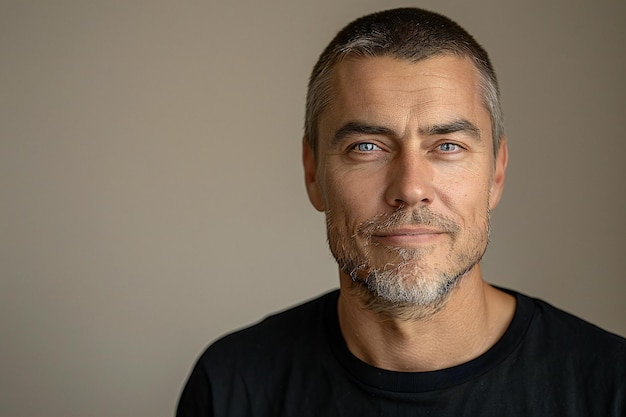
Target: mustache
{"points": [[422, 216]]}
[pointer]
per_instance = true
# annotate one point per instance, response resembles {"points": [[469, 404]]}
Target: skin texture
{"points": [[406, 176]]}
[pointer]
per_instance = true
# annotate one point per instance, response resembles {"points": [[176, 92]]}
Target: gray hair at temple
{"points": [[410, 34]]}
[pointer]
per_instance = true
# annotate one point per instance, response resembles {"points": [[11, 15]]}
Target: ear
{"points": [[310, 176], [497, 184]]}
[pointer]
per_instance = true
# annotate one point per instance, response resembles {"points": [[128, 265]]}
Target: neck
{"points": [[472, 320]]}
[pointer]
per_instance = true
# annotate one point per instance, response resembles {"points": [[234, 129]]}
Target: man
{"points": [[405, 153]]}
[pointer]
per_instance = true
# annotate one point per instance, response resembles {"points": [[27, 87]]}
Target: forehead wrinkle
{"points": [[388, 90]]}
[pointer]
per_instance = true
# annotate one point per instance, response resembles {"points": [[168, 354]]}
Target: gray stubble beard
{"points": [[404, 289]]}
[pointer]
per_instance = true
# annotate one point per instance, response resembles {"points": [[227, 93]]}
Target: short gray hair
{"points": [[407, 33]]}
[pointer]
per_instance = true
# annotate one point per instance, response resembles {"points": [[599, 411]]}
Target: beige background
{"points": [[152, 196]]}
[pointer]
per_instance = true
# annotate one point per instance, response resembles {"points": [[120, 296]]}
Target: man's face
{"points": [[405, 173]]}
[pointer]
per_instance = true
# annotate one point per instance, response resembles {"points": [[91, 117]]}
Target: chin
{"points": [[406, 291]]}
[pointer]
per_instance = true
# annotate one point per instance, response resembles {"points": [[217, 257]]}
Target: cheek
{"points": [[343, 204], [351, 200], [466, 195]]}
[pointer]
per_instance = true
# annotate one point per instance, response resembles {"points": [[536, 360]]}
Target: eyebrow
{"points": [[459, 125], [360, 128]]}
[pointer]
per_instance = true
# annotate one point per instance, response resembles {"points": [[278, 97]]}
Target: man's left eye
{"points": [[448, 147], [366, 147]]}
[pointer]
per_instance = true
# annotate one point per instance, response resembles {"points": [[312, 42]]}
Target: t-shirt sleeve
{"points": [[196, 399]]}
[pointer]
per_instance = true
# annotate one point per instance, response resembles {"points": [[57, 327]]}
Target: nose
{"points": [[410, 181]]}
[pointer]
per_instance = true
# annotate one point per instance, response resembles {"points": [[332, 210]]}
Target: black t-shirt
{"points": [[296, 363]]}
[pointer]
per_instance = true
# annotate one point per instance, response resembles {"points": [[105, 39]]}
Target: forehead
{"points": [[402, 95]]}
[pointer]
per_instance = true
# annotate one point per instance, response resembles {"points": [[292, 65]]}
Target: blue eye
{"points": [[448, 147], [366, 147]]}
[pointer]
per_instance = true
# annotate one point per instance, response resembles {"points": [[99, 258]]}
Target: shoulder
{"points": [[253, 363], [275, 335], [566, 338], [564, 324], [571, 358]]}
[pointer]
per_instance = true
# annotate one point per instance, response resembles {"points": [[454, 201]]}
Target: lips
{"points": [[403, 225], [408, 231], [407, 236]]}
